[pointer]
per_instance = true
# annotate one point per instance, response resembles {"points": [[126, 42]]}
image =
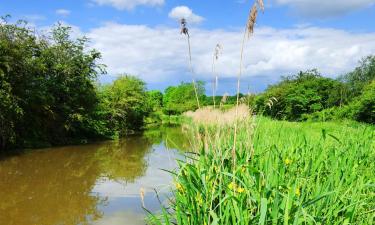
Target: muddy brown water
{"points": [[95, 184]]}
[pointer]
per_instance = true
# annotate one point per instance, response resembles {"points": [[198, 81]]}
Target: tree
{"points": [[124, 104], [360, 77], [47, 86], [155, 100], [304, 93], [181, 98]]}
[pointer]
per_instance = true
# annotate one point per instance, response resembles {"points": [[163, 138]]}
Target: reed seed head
{"points": [[184, 29], [142, 194], [261, 5], [218, 51], [252, 20]]}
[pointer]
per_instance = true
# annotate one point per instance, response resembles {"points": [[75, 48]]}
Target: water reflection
{"points": [[91, 184]]}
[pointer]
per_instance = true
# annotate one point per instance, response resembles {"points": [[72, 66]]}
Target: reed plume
{"points": [[185, 31], [142, 194], [217, 52], [249, 30]]}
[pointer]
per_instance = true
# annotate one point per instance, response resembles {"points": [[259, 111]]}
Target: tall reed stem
{"points": [[238, 100], [192, 72], [214, 82]]}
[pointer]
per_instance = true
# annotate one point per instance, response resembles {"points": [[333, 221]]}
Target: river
{"points": [[96, 184]]}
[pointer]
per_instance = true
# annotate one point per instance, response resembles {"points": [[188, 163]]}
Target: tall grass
{"points": [[243, 170], [286, 173], [249, 30]]}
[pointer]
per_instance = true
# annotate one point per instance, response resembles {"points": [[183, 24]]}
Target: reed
{"points": [[249, 30], [286, 173], [217, 52], [185, 31]]}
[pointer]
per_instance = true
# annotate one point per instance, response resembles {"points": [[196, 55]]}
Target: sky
{"points": [[142, 37]]}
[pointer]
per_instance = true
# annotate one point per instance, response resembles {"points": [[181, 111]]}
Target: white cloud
{"points": [[325, 8], [160, 54], [128, 4], [180, 12], [63, 12], [34, 18]]}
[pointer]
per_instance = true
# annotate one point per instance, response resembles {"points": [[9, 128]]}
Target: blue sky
{"points": [[141, 37]]}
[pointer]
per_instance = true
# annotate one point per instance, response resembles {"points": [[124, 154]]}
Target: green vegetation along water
{"points": [[279, 173], [89, 184]]}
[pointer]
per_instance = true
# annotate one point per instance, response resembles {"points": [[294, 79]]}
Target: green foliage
{"points": [[47, 93], [124, 105], [360, 77], [155, 100], [362, 109], [305, 93], [286, 173], [181, 98]]}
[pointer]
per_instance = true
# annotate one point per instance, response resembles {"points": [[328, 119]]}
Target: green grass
{"points": [[284, 173]]}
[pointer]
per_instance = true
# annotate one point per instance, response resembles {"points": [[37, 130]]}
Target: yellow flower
{"points": [[240, 190], [298, 192], [288, 162], [232, 186], [199, 200], [179, 187]]}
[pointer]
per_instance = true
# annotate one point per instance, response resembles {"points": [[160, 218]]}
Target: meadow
{"points": [[280, 173]]}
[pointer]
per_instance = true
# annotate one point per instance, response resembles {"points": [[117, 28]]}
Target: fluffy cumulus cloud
{"points": [[63, 12], [180, 12], [159, 54], [128, 4], [325, 8]]}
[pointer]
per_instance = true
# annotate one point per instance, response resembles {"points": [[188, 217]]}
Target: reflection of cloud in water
{"points": [[122, 218], [125, 195], [81, 184], [154, 177]]}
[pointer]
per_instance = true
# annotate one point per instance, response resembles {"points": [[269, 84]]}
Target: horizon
{"points": [[142, 38]]}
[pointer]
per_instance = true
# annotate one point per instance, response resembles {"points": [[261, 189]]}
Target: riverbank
{"points": [[280, 172]]}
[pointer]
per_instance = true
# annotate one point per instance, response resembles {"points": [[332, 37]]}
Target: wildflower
{"points": [[179, 187], [240, 190], [298, 192], [232, 186], [288, 162], [199, 199]]}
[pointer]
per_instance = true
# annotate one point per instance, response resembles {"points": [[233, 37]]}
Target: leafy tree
{"points": [[362, 108], [47, 86], [305, 93], [155, 100], [181, 98], [360, 77], [123, 104]]}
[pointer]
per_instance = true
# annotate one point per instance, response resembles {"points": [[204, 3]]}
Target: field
{"points": [[279, 173]]}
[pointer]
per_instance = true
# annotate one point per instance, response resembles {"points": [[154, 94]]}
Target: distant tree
{"points": [[124, 104], [360, 77], [181, 98], [155, 100], [304, 93]]}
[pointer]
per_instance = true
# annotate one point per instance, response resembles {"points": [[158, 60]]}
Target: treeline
{"points": [[49, 95], [310, 96], [305, 96]]}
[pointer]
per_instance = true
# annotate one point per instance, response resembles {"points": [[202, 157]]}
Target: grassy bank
{"points": [[281, 173]]}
